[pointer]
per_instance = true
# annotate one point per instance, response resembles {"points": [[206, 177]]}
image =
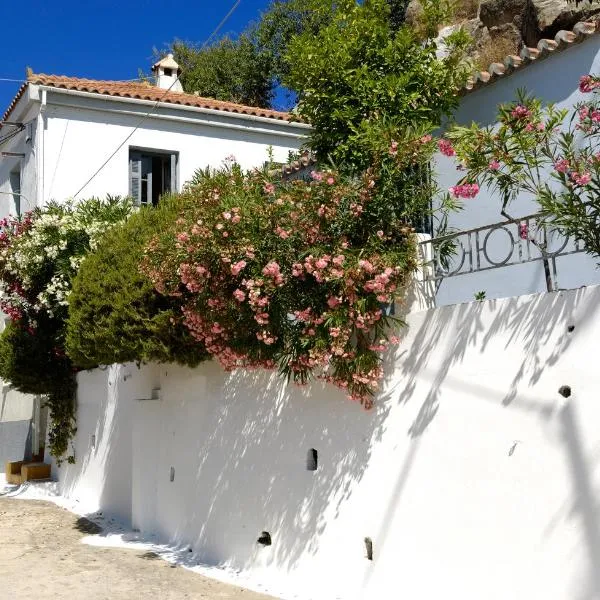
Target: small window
{"points": [[15, 188], [312, 460], [151, 174], [169, 72]]}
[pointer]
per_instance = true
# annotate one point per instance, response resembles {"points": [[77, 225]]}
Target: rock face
{"points": [[507, 25]]}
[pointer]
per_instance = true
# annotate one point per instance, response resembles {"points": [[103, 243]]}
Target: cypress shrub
{"points": [[115, 315]]}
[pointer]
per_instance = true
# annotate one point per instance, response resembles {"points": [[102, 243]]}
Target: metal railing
{"points": [[512, 242]]}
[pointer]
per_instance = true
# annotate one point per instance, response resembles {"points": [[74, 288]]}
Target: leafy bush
{"points": [[550, 154], [39, 255], [361, 80], [294, 276], [115, 315]]}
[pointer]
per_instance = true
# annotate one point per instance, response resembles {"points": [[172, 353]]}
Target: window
{"points": [[151, 174], [15, 188]]}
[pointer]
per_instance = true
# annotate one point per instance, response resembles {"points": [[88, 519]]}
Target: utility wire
{"points": [[154, 107], [225, 19]]}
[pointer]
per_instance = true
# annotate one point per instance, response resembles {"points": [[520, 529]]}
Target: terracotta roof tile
{"points": [[144, 91], [562, 40], [12, 105]]}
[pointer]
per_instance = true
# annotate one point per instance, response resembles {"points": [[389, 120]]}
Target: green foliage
{"points": [[115, 315], [33, 364], [230, 70], [294, 276], [360, 81], [547, 154], [39, 256], [281, 22]]}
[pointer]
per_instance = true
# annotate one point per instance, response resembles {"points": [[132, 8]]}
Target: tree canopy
{"points": [[249, 68]]}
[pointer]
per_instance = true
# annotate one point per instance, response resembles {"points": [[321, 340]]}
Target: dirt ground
{"points": [[41, 556]]}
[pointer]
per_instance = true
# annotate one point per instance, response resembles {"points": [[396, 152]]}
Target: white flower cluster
{"points": [[56, 242]]}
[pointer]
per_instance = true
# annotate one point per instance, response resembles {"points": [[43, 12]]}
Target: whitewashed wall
{"points": [[553, 80], [16, 413], [472, 475], [81, 133]]}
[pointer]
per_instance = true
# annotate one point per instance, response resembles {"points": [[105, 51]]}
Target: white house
{"points": [[550, 72], [65, 137], [472, 478]]}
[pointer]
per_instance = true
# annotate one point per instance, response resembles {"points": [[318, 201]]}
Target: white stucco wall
{"points": [[472, 475], [553, 80], [82, 132], [76, 134], [16, 412]]}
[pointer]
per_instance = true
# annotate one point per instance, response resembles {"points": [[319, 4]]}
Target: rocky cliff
{"points": [[503, 27]]}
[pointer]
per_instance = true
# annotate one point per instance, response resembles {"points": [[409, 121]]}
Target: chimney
{"points": [[166, 72]]}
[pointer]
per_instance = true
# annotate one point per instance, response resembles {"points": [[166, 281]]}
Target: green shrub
{"points": [[115, 315], [33, 363]]}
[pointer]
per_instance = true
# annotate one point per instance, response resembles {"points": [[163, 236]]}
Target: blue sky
{"points": [[106, 39]]}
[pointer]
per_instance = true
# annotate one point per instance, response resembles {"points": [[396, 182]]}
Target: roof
{"points": [[142, 91], [168, 62], [546, 47]]}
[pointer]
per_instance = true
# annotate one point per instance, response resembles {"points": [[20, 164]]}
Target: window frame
{"points": [[139, 157]]}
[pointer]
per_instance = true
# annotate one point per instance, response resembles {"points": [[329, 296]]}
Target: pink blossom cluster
{"points": [[249, 300], [465, 190], [520, 112], [446, 147], [581, 178], [588, 83]]}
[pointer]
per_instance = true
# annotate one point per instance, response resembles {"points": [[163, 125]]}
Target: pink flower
{"points": [[269, 188], [587, 84], [425, 139], [237, 267], [227, 216], [446, 147], [332, 301], [466, 190], [393, 148], [562, 165], [183, 237], [282, 233], [239, 295], [494, 165], [380, 234], [581, 178], [520, 112], [316, 175], [330, 181], [523, 231], [219, 226], [236, 219]]}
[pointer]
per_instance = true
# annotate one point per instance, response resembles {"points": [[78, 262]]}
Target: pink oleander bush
{"points": [[540, 152], [294, 276]]}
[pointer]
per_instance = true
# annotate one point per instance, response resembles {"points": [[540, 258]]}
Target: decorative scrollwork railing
{"points": [[512, 242]]}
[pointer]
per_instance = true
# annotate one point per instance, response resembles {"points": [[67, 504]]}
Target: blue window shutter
{"points": [[174, 173], [135, 177]]}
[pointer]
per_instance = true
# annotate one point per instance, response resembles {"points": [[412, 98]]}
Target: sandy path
{"points": [[41, 556]]}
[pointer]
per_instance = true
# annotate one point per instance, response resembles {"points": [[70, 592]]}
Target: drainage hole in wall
{"points": [[264, 538], [564, 391], [93, 441], [172, 474], [369, 548], [312, 460], [571, 328]]}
